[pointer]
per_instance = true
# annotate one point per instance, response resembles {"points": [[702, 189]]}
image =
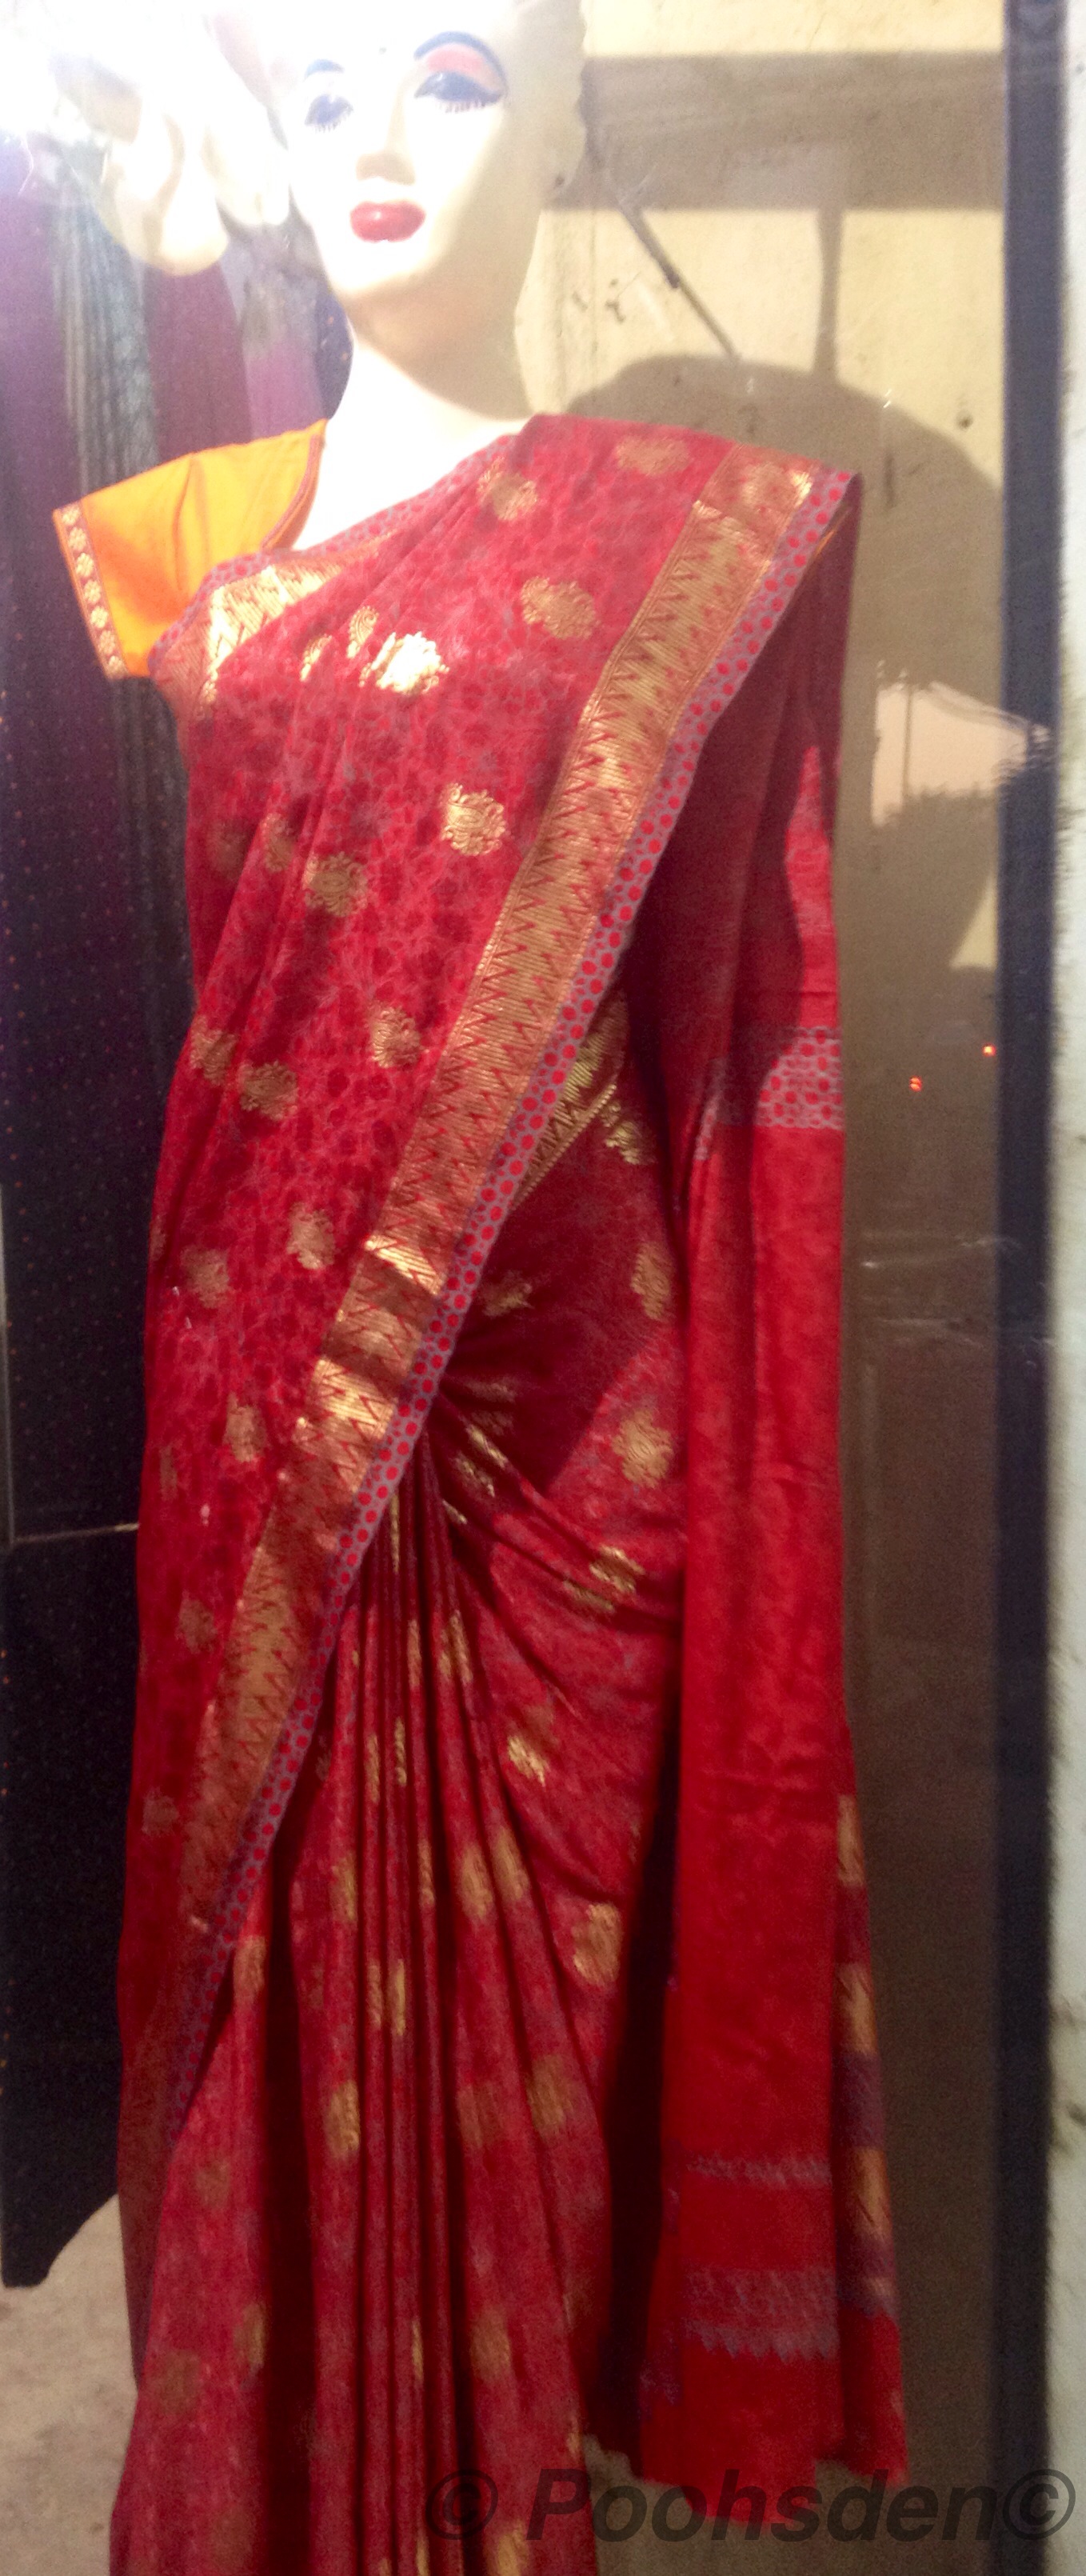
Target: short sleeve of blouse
{"points": [[138, 552]]}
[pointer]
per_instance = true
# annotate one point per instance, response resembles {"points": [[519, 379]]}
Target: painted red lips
{"points": [[386, 222]]}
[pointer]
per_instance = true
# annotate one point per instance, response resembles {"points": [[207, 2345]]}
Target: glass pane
{"points": [[827, 181]]}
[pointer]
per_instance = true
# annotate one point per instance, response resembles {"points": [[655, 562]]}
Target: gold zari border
{"points": [[77, 546]]}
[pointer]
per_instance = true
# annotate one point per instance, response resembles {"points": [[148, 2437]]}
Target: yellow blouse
{"points": [[138, 552]]}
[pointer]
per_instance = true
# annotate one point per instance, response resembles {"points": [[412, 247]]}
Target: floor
{"points": [[65, 2409]]}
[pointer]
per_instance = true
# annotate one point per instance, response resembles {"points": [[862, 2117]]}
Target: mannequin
{"points": [[483, 137], [491, 1468]]}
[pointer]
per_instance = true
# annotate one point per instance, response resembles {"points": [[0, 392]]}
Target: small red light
{"points": [[989, 1050], [916, 1084]]}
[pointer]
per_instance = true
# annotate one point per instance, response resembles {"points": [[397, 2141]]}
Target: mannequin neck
{"points": [[400, 429]]}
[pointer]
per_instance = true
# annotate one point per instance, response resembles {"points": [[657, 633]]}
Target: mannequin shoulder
{"points": [[139, 551]]}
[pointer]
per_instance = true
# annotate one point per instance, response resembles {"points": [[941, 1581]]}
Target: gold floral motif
{"points": [[509, 495], [527, 1759], [375, 1996], [476, 1475], [850, 1850], [211, 2183], [653, 1283], [508, 1295], [250, 1968], [394, 1039], [454, 1652], [397, 2000], [414, 1653], [854, 2015], [476, 1892], [644, 1448], [599, 1605], [549, 2095], [245, 1433], [312, 655], [630, 1137], [491, 2350], [278, 845], [427, 1893], [409, 665], [473, 821], [335, 885], [868, 2198], [418, 2357], [173, 2383], [212, 1050], [269, 1089], [508, 2554], [343, 2122], [613, 1567], [167, 1475], [207, 1275], [422, 2555], [531, 1742], [478, 2111], [652, 456], [359, 632], [597, 1945], [227, 850], [509, 1869], [562, 607], [371, 1763], [588, 1093], [311, 1238], [195, 1626], [228, 616], [343, 1891], [161, 1815], [251, 2338], [399, 1752]]}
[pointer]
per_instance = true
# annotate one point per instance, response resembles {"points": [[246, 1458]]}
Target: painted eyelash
{"points": [[327, 112], [458, 92]]}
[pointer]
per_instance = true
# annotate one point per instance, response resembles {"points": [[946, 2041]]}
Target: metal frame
{"points": [[1031, 675]]}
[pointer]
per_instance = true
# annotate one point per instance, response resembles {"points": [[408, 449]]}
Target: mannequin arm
{"points": [[183, 141]]}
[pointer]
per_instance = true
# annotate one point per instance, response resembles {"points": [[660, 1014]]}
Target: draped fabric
{"points": [[489, 1518]]}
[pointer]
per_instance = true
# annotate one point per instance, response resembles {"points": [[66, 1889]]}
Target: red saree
{"points": [[490, 1552]]}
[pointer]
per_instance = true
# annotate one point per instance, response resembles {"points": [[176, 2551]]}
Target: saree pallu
{"points": [[490, 1515]]}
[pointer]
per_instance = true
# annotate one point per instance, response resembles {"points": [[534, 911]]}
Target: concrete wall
{"points": [[828, 176]]}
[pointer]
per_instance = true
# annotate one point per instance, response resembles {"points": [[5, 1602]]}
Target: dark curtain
{"points": [[101, 374]]}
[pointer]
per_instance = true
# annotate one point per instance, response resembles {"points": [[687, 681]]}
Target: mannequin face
{"points": [[423, 141]]}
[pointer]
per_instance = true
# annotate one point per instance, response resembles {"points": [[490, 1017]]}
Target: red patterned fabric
{"points": [[494, 1281]]}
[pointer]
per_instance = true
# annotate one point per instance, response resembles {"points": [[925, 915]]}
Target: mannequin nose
{"points": [[381, 132]]}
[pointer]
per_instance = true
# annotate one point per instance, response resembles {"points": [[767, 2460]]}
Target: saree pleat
{"points": [[427, 1993]]}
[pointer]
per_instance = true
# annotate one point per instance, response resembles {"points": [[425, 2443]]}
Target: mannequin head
{"points": [[423, 139]]}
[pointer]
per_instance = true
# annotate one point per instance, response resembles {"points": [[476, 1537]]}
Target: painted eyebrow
{"points": [[456, 36], [314, 68]]}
